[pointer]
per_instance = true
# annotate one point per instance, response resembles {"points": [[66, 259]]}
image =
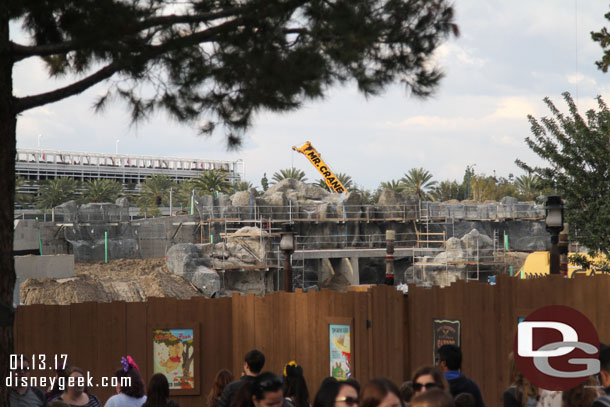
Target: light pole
{"points": [[554, 225], [287, 246], [116, 147], [390, 237]]}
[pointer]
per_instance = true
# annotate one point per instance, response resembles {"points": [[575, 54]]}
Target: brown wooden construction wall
{"points": [[96, 335], [289, 327], [489, 316], [392, 333]]}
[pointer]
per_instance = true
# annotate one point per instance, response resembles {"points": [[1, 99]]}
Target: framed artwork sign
{"points": [[175, 353], [340, 347], [446, 332]]}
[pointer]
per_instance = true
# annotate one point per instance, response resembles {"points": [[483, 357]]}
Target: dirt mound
{"points": [[130, 280]]}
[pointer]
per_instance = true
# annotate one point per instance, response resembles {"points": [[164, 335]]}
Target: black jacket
{"points": [[603, 401], [463, 384], [231, 389]]}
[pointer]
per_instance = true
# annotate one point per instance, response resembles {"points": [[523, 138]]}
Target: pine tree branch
{"points": [[149, 53], [29, 102], [20, 51]]}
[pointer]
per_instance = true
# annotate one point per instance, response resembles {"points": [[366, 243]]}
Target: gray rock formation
{"points": [[454, 263], [69, 210], [198, 263], [122, 202], [187, 260]]}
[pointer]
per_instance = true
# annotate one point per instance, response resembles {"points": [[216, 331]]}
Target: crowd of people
{"points": [[442, 385]]}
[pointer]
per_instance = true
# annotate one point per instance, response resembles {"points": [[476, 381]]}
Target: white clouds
{"points": [[451, 52], [579, 78], [509, 57], [514, 108]]}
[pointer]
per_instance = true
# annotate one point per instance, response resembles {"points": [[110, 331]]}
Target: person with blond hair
{"points": [[521, 392]]}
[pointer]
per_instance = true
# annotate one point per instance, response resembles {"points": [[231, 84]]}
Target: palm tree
{"points": [[101, 190], [346, 181], [55, 192], [447, 190], [529, 186], [418, 181], [155, 193], [243, 186], [212, 181], [368, 197], [182, 192], [293, 173], [393, 185], [21, 198]]}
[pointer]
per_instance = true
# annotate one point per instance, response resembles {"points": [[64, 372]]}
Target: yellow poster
{"points": [[340, 351], [314, 157], [173, 356]]}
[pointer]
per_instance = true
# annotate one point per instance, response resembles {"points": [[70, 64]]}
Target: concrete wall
{"points": [[52, 266], [25, 235]]}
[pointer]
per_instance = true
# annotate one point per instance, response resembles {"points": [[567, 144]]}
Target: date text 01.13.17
{"points": [[40, 362]]}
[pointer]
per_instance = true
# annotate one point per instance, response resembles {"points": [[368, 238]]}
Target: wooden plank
{"points": [[305, 346], [136, 334], [85, 341], [112, 343], [322, 358]]}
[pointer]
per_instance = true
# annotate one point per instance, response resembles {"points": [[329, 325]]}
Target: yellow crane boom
{"points": [[316, 160]]}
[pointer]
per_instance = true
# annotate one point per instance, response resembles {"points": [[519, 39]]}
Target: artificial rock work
{"points": [[238, 256], [236, 264], [461, 259]]}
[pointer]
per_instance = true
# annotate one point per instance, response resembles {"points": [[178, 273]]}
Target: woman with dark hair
{"points": [[158, 392], [223, 377], [265, 390], [406, 391], [77, 395], [380, 392], [296, 393], [130, 387], [333, 393], [429, 377]]}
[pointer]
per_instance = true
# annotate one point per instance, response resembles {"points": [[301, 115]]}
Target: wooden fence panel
{"points": [[392, 335], [112, 340]]}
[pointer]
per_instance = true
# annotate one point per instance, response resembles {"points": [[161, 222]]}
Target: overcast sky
{"points": [[510, 55]]}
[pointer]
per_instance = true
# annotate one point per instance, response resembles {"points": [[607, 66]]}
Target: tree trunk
{"points": [[8, 121]]}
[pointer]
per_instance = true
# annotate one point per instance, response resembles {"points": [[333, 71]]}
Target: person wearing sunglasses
{"points": [[429, 377], [381, 392], [334, 393]]}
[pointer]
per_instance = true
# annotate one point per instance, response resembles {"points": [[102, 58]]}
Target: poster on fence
{"points": [[446, 332], [340, 351], [175, 353]]}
